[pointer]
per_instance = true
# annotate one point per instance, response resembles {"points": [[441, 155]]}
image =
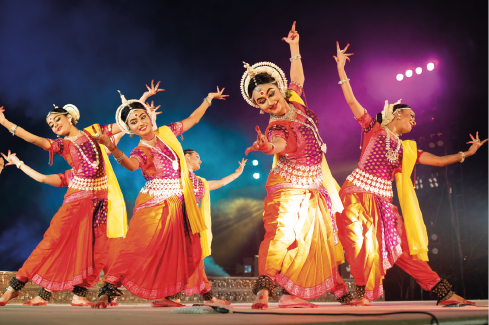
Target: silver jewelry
{"points": [[343, 81], [13, 129], [341, 51], [298, 56], [463, 156], [285, 116], [251, 71], [97, 160], [262, 112], [121, 158], [208, 100], [398, 116], [96, 135], [19, 164], [174, 162], [391, 155], [234, 176]]}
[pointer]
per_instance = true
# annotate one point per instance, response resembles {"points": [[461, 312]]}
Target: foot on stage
{"points": [[103, 302], [78, 301], [454, 299], [360, 302], [261, 301], [8, 295], [290, 301], [37, 301], [114, 303], [164, 302], [214, 301]]}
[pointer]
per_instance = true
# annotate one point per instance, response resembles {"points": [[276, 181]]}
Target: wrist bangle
{"points": [[343, 81], [234, 176], [115, 147], [121, 158], [19, 164], [463, 156], [208, 100], [13, 129], [269, 151], [298, 56]]}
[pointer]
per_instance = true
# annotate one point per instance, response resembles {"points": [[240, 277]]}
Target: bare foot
{"points": [[261, 300], [165, 303], [7, 296], [360, 302], [80, 301], [37, 300], [113, 302], [101, 303], [290, 301], [214, 300], [459, 299]]}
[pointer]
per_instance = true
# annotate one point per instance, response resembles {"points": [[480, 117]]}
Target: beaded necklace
{"points": [[391, 155], [76, 137], [174, 162]]}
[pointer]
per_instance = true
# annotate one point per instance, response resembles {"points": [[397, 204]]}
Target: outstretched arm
{"points": [[195, 117], [340, 59], [126, 162], [2, 163], [53, 180], [213, 185], [21, 133], [269, 148], [427, 158], [296, 70]]}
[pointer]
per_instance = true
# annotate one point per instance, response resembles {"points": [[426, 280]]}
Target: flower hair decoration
{"points": [[257, 68], [72, 111], [388, 112], [123, 124]]}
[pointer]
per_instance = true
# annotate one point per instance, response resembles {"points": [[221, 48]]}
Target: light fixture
{"points": [[409, 73], [399, 77], [430, 66]]}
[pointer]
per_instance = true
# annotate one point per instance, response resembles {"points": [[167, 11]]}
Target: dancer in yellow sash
{"points": [[300, 250], [370, 227]]}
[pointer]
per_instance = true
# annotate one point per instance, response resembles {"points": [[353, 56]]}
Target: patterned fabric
{"points": [[198, 185], [99, 212]]}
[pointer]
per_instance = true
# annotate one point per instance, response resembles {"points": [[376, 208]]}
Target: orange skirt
{"points": [[198, 282], [64, 258], [157, 256]]}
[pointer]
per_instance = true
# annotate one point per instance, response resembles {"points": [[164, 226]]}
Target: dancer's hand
{"points": [[105, 140], [242, 164], [2, 163], [153, 111], [476, 144], [11, 158], [292, 37], [153, 90], [341, 55], [261, 143], [218, 94]]}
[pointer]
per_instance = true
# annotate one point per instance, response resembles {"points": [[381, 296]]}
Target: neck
{"points": [[148, 136], [394, 129], [73, 131]]}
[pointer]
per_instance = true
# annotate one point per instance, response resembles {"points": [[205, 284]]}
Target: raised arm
{"points": [[21, 133], [296, 70], [340, 59], [195, 117], [213, 185], [427, 158], [12, 159]]}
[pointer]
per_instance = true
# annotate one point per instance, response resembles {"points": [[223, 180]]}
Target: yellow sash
{"points": [[413, 219], [194, 217], [205, 211], [116, 211]]}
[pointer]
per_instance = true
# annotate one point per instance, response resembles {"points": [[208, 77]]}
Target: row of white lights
{"points": [[256, 175], [409, 73]]}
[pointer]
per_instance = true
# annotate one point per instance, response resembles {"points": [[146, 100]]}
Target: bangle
{"points": [[19, 164], [234, 176], [343, 81], [13, 129], [463, 156], [269, 151], [121, 158], [298, 56], [208, 100], [115, 147]]}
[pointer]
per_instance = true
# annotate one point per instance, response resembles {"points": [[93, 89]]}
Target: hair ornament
{"points": [[70, 109], [257, 68], [388, 112], [123, 124]]}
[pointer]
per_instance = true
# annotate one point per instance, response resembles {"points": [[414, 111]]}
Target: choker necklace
{"points": [[286, 116], [174, 162]]}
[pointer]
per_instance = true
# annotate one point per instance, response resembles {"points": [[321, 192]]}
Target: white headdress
{"points": [[258, 68], [387, 113], [72, 111], [123, 124]]}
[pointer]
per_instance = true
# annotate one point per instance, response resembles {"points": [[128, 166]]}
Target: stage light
{"points": [[409, 73], [399, 77], [419, 70], [431, 145], [434, 236], [434, 250], [440, 143], [256, 175], [430, 66], [255, 162]]}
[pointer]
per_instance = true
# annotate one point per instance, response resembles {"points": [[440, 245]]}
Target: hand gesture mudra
{"points": [[218, 94], [476, 144], [153, 90], [293, 36], [261, 143], [104, 139], [242, 164], [11, 158], [341, 55], [152, 110]]}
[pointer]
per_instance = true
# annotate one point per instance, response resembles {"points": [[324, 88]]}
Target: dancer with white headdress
{"points": [[76, 246], [162, 248], [300, 250]]}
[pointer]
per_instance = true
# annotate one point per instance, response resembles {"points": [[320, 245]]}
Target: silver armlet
{"points": [[13, 129], [298, 56]]}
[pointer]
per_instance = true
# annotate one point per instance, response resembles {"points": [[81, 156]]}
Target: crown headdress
{"points": [[72, 111], [257, 68], [123, 124], [388, 112]]}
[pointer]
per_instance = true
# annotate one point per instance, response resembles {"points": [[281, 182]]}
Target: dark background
{"points": [[82, 52]]}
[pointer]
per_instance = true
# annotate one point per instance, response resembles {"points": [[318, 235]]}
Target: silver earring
{"points": [[398, 116], [262, 112], [58, 135]]}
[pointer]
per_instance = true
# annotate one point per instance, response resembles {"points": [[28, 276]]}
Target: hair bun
{"points": [[73, 111]]}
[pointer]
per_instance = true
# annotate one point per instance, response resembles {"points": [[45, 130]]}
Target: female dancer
{"points": [[74, 248], [299, 249], [162, 247], [370, 227]]}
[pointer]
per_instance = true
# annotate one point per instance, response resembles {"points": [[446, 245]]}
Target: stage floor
{"points": [[146, 315]]}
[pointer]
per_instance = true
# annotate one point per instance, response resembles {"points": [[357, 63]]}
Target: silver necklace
{"points": [[97, 160], [174, 162], [286, 116], [391, 155]]}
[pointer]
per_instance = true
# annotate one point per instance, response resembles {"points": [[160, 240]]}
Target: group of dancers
{"points": [[310, 222]]}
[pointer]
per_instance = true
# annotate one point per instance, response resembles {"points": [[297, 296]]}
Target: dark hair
{"points": [[396, 107], [126, 110], [60, 110], [259, 79], [188, 151]]}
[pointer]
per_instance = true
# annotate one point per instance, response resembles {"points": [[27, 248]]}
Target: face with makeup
{"points": [[59, 123], [139, 122], [193, 161], [407, 121], [270, 99]]}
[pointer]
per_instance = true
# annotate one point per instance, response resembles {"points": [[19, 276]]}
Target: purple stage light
{"points": [[399, 77], [419, 70], [430, 66], [409, 73]]}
